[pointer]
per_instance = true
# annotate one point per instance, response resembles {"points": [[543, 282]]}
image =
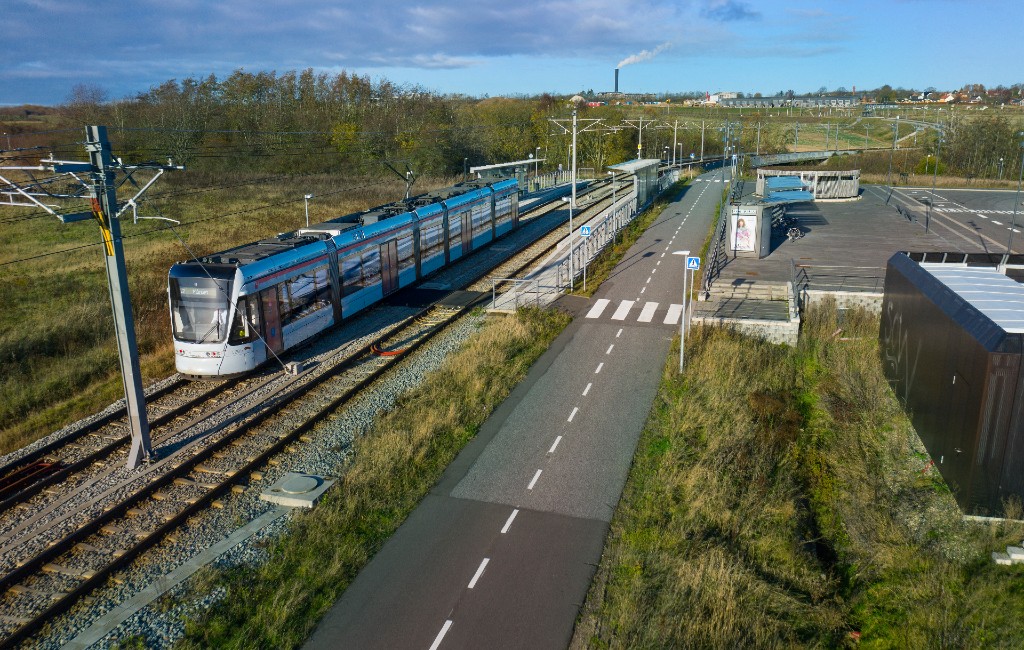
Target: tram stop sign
{"points": [[692, 263], [584, 231]]}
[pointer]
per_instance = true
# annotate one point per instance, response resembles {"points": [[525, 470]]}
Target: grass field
{"points": [[58, 357], [779, 498], [278, 604]]}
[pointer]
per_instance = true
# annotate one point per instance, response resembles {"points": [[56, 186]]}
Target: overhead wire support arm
{"points": [[102, 188]]}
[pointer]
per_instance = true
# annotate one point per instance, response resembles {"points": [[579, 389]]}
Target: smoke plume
{"points": [[643, 55]]}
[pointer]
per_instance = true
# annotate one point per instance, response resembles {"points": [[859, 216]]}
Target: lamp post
{"points": [[935, 175], [306, 198], [666, 154], [1016, 198], [1000, 168], [536, 163], [888, 175]]}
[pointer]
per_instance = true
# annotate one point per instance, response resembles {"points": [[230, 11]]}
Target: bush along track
{"points": [[278, 604], [780, 498]]}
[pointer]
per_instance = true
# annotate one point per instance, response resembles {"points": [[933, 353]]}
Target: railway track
{"points": [[53, 556]]}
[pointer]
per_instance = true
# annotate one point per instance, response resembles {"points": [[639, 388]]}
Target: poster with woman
{"points": [[743, 228]]}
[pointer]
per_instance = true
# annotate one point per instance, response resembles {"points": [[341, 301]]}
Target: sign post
{"points": [[585, 234]]}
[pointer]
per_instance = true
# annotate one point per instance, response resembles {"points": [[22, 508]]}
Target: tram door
{"points": [[467, 232], [389, 266], [272, 320]]}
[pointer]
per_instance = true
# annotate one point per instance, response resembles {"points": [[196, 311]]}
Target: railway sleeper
{"points": [[22, 590], [60, 569]]}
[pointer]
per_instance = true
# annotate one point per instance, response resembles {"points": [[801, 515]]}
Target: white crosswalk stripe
{"points": [[650, 313], [674, 313], [623, 309], [647, 313], [595, 311]]}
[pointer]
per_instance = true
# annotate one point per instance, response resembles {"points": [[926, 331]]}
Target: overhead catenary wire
{"points": [[161, 229]]}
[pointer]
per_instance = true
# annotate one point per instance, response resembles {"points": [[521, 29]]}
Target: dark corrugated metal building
{"points": [[951, 338]]}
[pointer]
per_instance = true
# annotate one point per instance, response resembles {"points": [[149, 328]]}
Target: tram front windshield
{"points": [[199, 309]]}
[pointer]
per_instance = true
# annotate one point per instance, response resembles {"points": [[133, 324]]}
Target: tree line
{"points": [[309, 122]]}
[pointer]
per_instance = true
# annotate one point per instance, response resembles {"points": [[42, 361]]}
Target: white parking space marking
{"points": [[674, 312], [595, 311], [533, 481], [440, 635], [508, 522], [479, 572], [623, 309], [647, 314], [998, 223]]}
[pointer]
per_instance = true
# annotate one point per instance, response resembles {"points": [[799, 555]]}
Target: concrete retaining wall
{"points": [[844, 299], [775, 331]]}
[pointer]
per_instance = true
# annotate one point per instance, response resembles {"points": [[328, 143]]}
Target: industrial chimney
{"points": [[616, 80]]}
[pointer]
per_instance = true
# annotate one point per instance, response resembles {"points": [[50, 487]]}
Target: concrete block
{"points": [[1001, 558], [1016, 554], [297, 490]]}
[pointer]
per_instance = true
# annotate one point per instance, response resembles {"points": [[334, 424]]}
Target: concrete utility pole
{"points": [[675, 131], [591, 124], [102, 192], [639, 125], [702, 142]]}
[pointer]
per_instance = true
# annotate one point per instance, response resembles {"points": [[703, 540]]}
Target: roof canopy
{"points": [[774, 183], [788, 196], [630, 167]]}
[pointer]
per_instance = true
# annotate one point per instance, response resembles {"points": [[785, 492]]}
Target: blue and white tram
{"points": [[234, 310]]}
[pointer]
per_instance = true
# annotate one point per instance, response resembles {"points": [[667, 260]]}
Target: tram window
{"points": [[247, 320], [431, 239], [351, 274], [199, 308], [454, 226], [481, 218], [371, 267], [405, 252], [304, 294]]}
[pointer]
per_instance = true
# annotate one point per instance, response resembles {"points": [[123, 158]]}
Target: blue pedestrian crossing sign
{"points": [[584, 231], [693, 263]]}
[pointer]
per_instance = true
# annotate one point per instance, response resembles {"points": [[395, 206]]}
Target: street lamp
{"points": [[1016, 198], [307, 198], [536, 164], [666, 154], [935, 175], [1000, 168]]}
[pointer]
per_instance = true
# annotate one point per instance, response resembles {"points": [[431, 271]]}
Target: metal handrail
{"points": [[716, 255]]}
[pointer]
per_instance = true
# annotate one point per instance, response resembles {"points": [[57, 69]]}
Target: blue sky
{"points": [[513, 47]]}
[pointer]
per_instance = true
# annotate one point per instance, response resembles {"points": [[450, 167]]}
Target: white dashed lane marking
{"points": [[440, 635], [508, 522], [533, 481], [479, 572]]}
